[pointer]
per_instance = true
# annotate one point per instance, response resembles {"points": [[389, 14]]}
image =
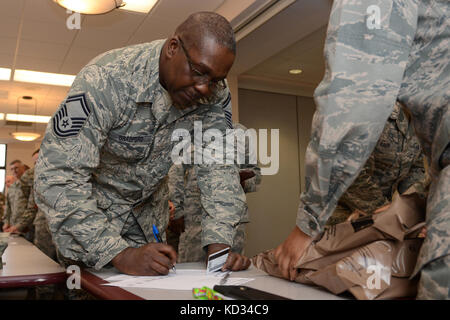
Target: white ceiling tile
{"points": [[47, 32], [6, 60], [9, 27], [8, 45], [44, 50], [180, 10], [117, 21], [11, 8], [37, 64], [45, 11], [101, 40]]}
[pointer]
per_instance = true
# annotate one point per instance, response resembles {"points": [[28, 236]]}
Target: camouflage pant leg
{"points": [[239, 239], [42, 236], [339, 215], [434, 283], [433, 260], [190, 246]]}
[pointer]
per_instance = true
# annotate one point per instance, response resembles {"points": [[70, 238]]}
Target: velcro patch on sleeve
{"points": [[71, 116]]}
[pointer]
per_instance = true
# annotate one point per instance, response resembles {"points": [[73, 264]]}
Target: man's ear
{"points": [[172, 48]]}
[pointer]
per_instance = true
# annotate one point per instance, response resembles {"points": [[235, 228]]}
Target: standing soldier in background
{"points": [[395, 165], [186, 198], [9, 180], [14, 219], [404, 56]]}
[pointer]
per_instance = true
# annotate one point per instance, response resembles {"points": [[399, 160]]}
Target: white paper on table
{"points": [[181, 280]]}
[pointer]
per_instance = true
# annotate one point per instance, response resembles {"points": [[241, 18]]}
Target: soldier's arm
{"points": [[63, 173], [7, 213], [364, 71], [357, 94], [222, 197], [177, 188]]}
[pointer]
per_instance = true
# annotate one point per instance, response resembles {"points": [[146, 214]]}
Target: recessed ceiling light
{"points": [[5, 74], [295, 71], [55, 79], [27, 118], [143, 6]]}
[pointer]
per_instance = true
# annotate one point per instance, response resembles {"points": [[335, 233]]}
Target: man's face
{"points": [[17, 169], [9, 180], [196, 73]]}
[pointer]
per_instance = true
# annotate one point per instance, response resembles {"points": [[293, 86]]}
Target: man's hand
{"points": [[245, 175], [149, 260], [5, 227], [235, 261], [176, 225], [290, 251], [13, 229]]}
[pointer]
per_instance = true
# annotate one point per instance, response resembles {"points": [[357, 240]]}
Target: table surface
{"points": [[261, 281], [25, 265]]}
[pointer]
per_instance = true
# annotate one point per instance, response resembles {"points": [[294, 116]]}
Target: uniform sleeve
{"points": [[7, 214], [222, 197], [416, 178], [68, 158], [364, 70], [29, 213], [177, 188]]}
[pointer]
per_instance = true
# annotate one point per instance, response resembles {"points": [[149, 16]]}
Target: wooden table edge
{"points": [[32, 280], [94, 285]]}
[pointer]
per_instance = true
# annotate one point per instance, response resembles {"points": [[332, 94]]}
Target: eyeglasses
{"points": [[199, 77]]}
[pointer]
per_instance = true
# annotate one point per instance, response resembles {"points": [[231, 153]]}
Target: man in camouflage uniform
{"points": [[396, 164], [404, 56], [186, 197], [108, 148], [15, 220]]}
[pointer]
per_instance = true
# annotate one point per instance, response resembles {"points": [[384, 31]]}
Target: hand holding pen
{"points": [[159, 240]]}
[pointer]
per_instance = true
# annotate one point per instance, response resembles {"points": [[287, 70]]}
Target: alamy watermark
{"points": [[74, 20], [74, 279], [374, 17], [236, 146]]}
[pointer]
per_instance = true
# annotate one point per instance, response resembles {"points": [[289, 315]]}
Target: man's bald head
{"points": [[200, 26]]}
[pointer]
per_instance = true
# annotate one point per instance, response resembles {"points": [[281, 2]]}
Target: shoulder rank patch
{"points": [[71, 116]]}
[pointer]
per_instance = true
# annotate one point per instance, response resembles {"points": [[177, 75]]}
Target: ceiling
{"points": [[34, 36]]}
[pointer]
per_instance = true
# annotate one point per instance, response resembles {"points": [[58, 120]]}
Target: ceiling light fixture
{"points": [[25, 136], [27, 118], [55, 79], [295, 71], [142, 6], [90, 6], [5, 74]]}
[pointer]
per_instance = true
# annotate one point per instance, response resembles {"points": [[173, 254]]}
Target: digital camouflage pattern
{"points": [[367, 70], [396, 164], [186, 197], [16, 205], [107, 150]]}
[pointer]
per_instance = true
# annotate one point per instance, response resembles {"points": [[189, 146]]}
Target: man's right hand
{"points": [[151, 259], [5, 227]]}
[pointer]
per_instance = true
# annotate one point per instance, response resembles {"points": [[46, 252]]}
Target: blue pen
{"points": [[159, 240]]}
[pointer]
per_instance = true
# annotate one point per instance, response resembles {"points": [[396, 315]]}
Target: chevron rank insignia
{"points": [[71, 116]]}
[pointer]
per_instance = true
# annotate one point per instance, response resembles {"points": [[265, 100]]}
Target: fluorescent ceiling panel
{"points": [[55, 79], [143, 6], [5, 74], [27, 118]]}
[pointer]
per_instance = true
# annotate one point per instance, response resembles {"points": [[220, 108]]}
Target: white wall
{"points": [[273, 208]]}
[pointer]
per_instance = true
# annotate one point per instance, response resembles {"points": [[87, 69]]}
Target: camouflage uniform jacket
{"points": [[106, 151], [16, 204]]}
